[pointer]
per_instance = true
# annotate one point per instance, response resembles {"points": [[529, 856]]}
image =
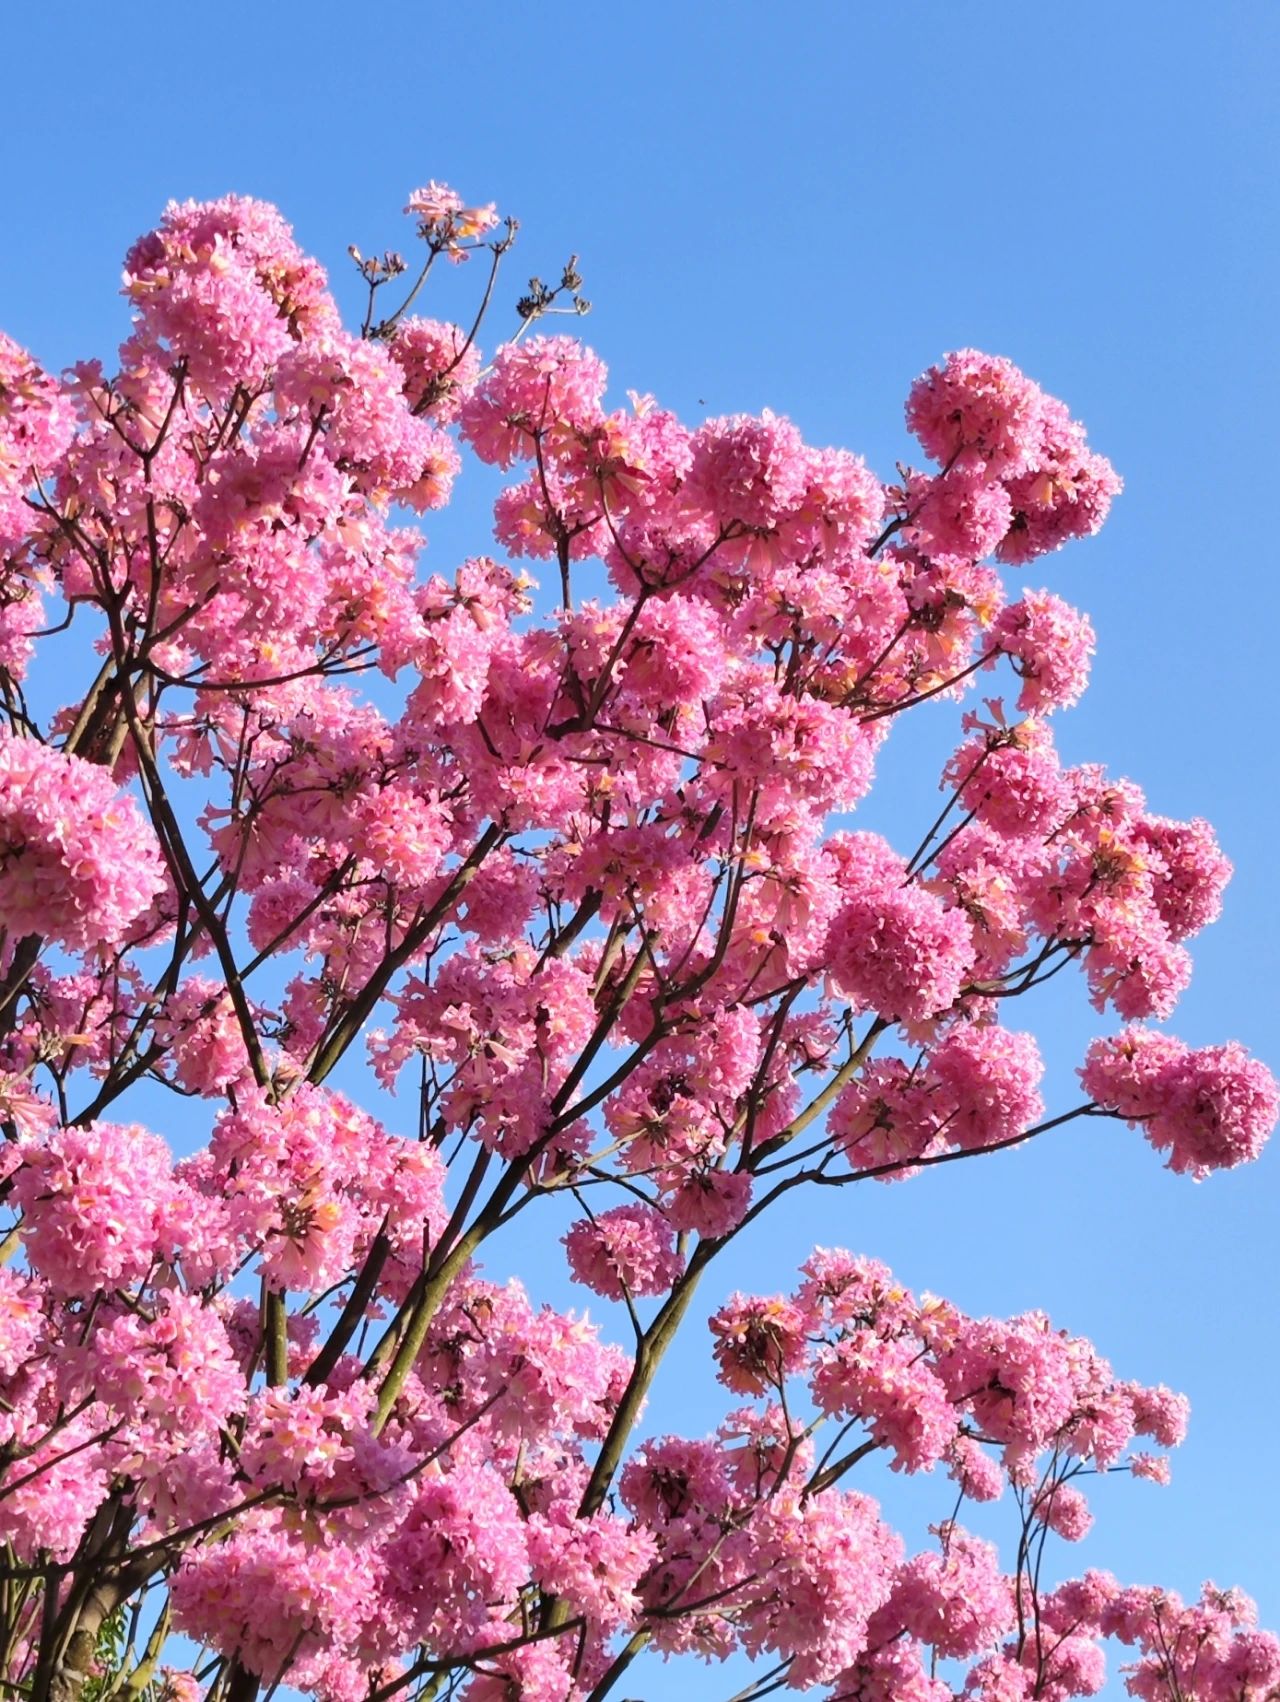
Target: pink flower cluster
{"points": [[36, 424], [95, 1203], [1206, 1651], [445, 222], [1051, 647], [1018, 476], [1209, 1108], [1076, 859], [629, 1250], [309, 1180], [978, 1087], [78, 863], [896, 948]]}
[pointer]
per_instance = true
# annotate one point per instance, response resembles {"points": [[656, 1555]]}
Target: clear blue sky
{"points": [[800, 207]]}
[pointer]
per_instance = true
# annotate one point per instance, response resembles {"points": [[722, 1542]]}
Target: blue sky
{"points": [[801, 207]]}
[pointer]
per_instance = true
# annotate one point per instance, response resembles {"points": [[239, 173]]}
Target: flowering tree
{"points": [[574, 886]]}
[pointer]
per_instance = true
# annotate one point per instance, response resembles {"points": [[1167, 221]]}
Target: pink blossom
{"points": [[749, 471], [1067, 494], [545, 385], [1012, 783], [758, 1342], [440, 366], [906, 1407], [1126, 1073], [444, 219], [1209, 1109], [887, 1116], [899, 951], [978, 1475], [978, 411], [201, 1030], [36, 424], [710, 1203], [894, 1673], [957, 517], [630, 1250], [218, 283], [80, 864], [1064, 1509], [842, 505], [171, 1377], [959, 1600], [49, 1495], [1190, 872], [276, 1601], [1154, 1467], [93, 1202], [990, 1079], [1217, 1109], [21, 1319], [1051, 646], [595, 1564], [1161, 1413], [462, 1547]]}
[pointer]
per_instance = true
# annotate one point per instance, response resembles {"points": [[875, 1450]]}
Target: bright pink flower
{"points": [[1218, 1107], [462, 1548], [894, 1673], [1154, 1467], [630, 1250], [887, 1116], [50, 1494], [219, 284], [1160, 1413], [80, 864], [1012, 782], [1210, 1109], [440, 367], [171, 1378], [709, 1202], [1015, 1377], [759, 1342], [94, 1202], [276, 1601], [595, 1564], [21, 1319], [1067, 494], [957, 517], [443, 219], [842, 506], [201, 1031], [904, 1405], [309, 1179], [1126, 1072], [830, 1563], [545, 386], [750, 472], [1064, 1510], [978, 411], [897, 950], [1051, 646], [978, 1475], [36, 424], [996, 1679], [1190, 872], [989, 1080], [959, 1600]]}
